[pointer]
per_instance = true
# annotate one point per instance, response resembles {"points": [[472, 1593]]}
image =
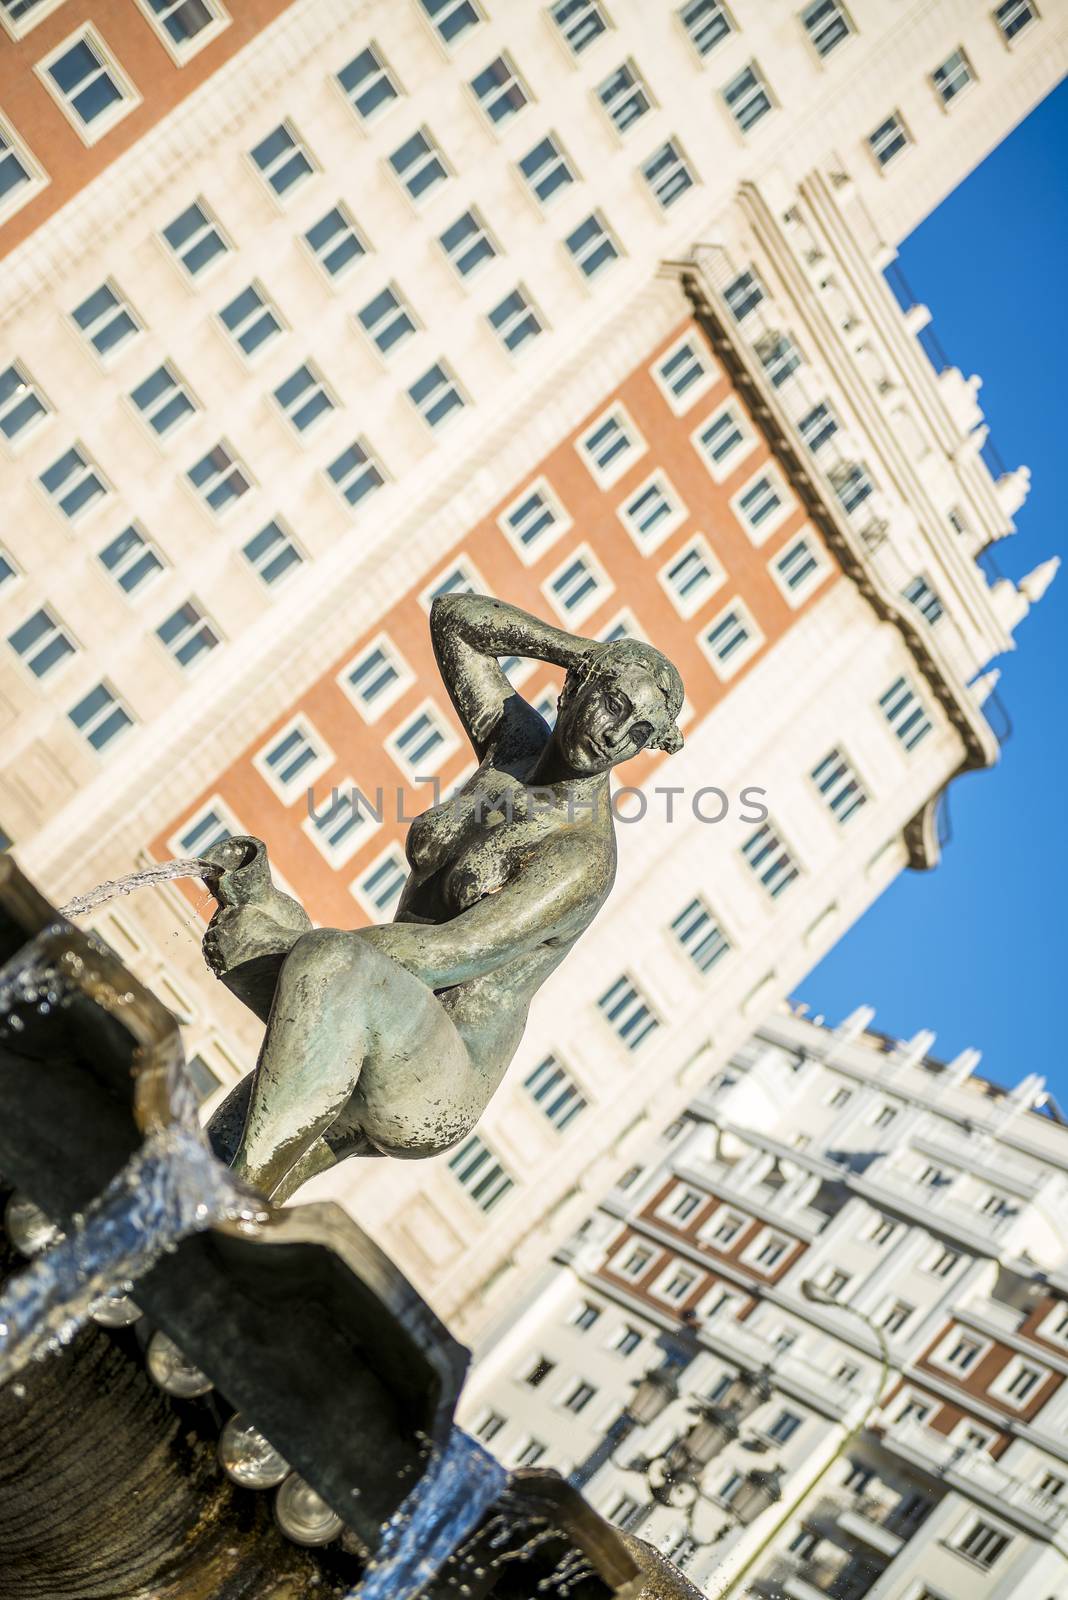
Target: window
{"points": [[436, 395], [624, 96], [546, 169], [827, 25], [419, 165], [896, 1316], [995, 1205], [707, 23], [683, 374], [770, 859], [467, 244], [283, 161], [771, 1251], [836, 1283], [580, 1396], [451, 18], [982, 1542], [676, 1284], [460, 579], [883, 1231], [250, 320], [203, 1079], [634, 1262], [387, 320], [22, 406], [580, 22], [499, 91], [584, 1316], [852, 486], [743, 294], [952, 77], [667, 174], [796, 566], [208, 827], [195, 238], [219, 480], [271, 553], [163, 400], [943, 1262], [579, 586], [1013, 17], [355, 473], [73, 484], [19, 178], [187, 23], [379, 887], [626, 1009], [1051, 1483], [784, 1427], [131, 560], [607, 447], [106, 320], [683, 1203], [335, 242], [691, 576], [622, 626], [962, 1352], [1020, 1381], [723, 1228], [779, 357], [888, 140], [538, 1373], [339, 825], [884, 1116], [367, 83], [41, 642], [534, 521], [839, 785], [652, 512], [818, 425], [304, 398], [187, 634], [88, 85], [624, 1511], [515, 321], [422, 743], [747, 98], [591, 246], [479, 1173], [700, 935], [840, 1098], [376, 678], [529, 1454], [555, 1093], [488, 1426], [720, 441], [730, 639], [1054, 1325], [920, 594], [905, 713], [100, 717], [626, 1340]]}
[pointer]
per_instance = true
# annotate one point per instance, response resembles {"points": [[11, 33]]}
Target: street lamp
{"points": [[654, 1393]]}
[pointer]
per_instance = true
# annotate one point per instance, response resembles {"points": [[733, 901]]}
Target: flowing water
{"points": [[161, 872]]}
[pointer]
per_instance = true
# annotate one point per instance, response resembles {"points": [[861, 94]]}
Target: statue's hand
{"points": [[239, 934]]}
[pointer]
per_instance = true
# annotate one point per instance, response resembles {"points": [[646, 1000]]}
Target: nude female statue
{"points": [[392, 1039]]}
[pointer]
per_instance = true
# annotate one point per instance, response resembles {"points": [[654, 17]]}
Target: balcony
{"points": [[974, 1473], [979, 1157], [816, 1578], [984, 1233], [747, 1348]]}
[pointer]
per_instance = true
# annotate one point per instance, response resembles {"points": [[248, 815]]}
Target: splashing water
{"points": [[457, 1488], [162, 872], [171, 1188]]}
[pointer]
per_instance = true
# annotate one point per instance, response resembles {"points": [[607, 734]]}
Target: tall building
{"points": [[816, 1342], [583, 304]]}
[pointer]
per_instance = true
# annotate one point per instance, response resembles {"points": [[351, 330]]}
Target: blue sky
{"points": [[976, 949]]}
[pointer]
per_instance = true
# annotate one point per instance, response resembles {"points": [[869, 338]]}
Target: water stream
{"points": [[160, 872]]}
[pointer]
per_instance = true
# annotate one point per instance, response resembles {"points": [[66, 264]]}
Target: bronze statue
{"points": [[391, 1040]]}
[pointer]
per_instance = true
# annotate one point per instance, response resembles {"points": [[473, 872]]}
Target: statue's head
{"points": [[622, 698]]}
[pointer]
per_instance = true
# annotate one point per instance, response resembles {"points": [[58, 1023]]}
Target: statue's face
{"points": [[609, 718]]}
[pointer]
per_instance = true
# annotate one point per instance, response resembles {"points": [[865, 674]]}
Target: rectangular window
{"points": [[251, 320], [852, 485], [100, 717], [943, 1263], [73, 483], [335, 242], [888, 140], [419, 165], [920, 594], [578, 586], [624, 96], [683, 1204], [905, 713], [203, 1079], [952, 77], [633, 1263], [962, 1353], [707, 24], [195, 238], [88, 85], [609, 446], [796, 566], [367, 83], [700, 935], [163, 400], [721, 438], [488, 1426], [770, 859], [818, 425], [1022, 1382], [692, 576], [188, 23], [784, 1427], [584, 1316], [555, 1093], [131, 560], [743, 294], [387, 321], [983, 1542], [626, 1009], [839, 785], [219, 480], [499, 91], [534, 521], [580, 1396], [747, 97], [272, 554], [379, 887], [515, 321], [283, 161], [479, 1173], [338, 826], [896, 1316], [459, 579], [652, 512], [18, 179], [883, 1231], [436, 395], [627, 1340], [304, 398], [591, 246], [41, 642], [779, 357], [376, 678], [467, 244], [546, 169], [731, 638], [529, 1453], [208, 827], [827, 25], [1013, 17], [187, 634], [451, 18], [683, 374], [580, 22], [294, 759], [106, 320], [772, 1251], [668, 174], [676, 1284], [22, 406], [356, 473], [422, 743]]}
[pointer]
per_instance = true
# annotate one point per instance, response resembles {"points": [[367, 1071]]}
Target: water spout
{"points": [[161, 872]]}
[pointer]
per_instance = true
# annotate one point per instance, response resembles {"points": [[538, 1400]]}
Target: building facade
{"points": [[580, 304], [843, 1270]]}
